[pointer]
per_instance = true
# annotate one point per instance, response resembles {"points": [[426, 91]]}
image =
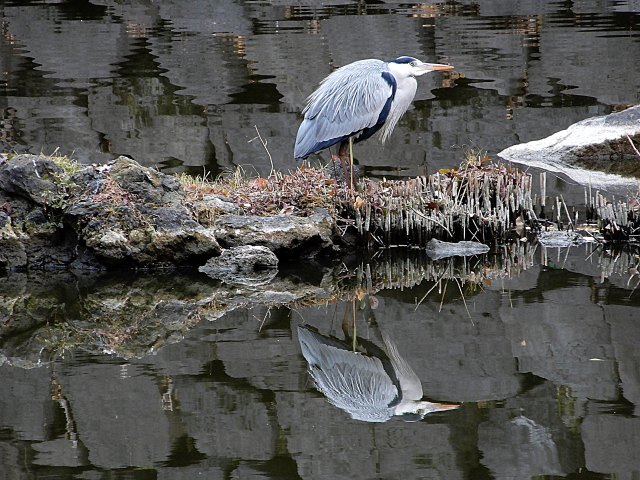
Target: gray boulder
{"points": [[55, 214], [245, 265], [282, 234], [130, 215], [33, 177], [595, 144]]}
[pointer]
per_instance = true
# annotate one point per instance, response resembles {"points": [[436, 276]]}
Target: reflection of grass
{"points": [[403, 269], [122, 330], [566, 404], [62, 338]]}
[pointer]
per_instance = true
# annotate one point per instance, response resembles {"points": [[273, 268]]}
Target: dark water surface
{"points": [[182, 85], [542, 354]]}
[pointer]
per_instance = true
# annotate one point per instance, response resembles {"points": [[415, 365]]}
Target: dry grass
{"points": [[480, 200], [299, 192]]}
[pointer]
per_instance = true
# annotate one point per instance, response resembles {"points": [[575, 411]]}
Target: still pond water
{"points": [[541, 354], [122, 377]]}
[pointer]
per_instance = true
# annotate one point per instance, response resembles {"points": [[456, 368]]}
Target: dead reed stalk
{"points": [[478, 203]]}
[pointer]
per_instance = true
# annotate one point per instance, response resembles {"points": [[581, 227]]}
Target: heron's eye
{"points": [[413, 64]]}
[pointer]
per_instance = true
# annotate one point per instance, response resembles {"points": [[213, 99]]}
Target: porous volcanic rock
{"points": [[285, 235], [244, 265]]}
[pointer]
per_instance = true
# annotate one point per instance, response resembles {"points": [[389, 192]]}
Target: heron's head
{"points": [[416, 410], [404, 67]]}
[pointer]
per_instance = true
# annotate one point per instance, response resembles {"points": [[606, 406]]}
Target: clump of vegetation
{"points": [[618, 220], [299, 192], [480, 200], [68, 165], [65, 187]]}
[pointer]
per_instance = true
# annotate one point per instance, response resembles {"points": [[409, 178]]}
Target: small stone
{"points": [[560, 238], [244, 265], [437, 249]]}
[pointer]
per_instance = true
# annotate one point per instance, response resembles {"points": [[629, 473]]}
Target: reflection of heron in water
{"points": [[372, 384]]}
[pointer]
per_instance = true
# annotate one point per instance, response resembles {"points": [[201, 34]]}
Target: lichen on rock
{"points": [[130, 214], [120, 214]]}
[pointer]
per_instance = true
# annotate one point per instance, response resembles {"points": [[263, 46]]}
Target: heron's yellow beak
{"points": [[436, 66]]}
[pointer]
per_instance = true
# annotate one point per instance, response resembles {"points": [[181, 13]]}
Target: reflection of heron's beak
{"points": [[435, 66], [440, 407]]}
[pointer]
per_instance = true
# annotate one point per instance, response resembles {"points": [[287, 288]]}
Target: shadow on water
{"points": [[152, 374]]}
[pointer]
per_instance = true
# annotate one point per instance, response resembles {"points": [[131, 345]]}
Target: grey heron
{"points": [[372, 385], [358, 100]]}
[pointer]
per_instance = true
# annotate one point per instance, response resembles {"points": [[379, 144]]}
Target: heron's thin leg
{"points": [[351, 161], [353, 313], [341, 155]]}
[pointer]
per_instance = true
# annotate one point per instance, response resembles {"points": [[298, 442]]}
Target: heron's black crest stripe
{"points": [[403, 60]]}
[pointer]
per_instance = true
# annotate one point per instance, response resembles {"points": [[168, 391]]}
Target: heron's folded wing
{"points": [[348, 101], [351, 381]]}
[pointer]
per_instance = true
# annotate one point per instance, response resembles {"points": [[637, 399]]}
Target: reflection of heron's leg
{"points": [[349, 323]]}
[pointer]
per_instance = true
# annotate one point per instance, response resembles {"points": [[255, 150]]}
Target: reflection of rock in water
{"points": [[372, 384], [9, 132]]}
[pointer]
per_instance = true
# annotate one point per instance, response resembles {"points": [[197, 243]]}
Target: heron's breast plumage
{"points": [[405, 93]]}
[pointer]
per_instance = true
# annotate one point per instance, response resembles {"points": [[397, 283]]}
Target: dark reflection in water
{"points": [[542, 356]]}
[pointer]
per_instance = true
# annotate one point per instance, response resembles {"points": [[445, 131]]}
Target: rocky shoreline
{"points": [[58, 214], [55, 214], [126, 242]]}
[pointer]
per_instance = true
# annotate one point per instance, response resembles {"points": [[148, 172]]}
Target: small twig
{"points": [[264, 144], [594, 251], [444, 291], [633, 146], [566, 210], [264, 319], [463, 300], [429, 291], [420, 214]]}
